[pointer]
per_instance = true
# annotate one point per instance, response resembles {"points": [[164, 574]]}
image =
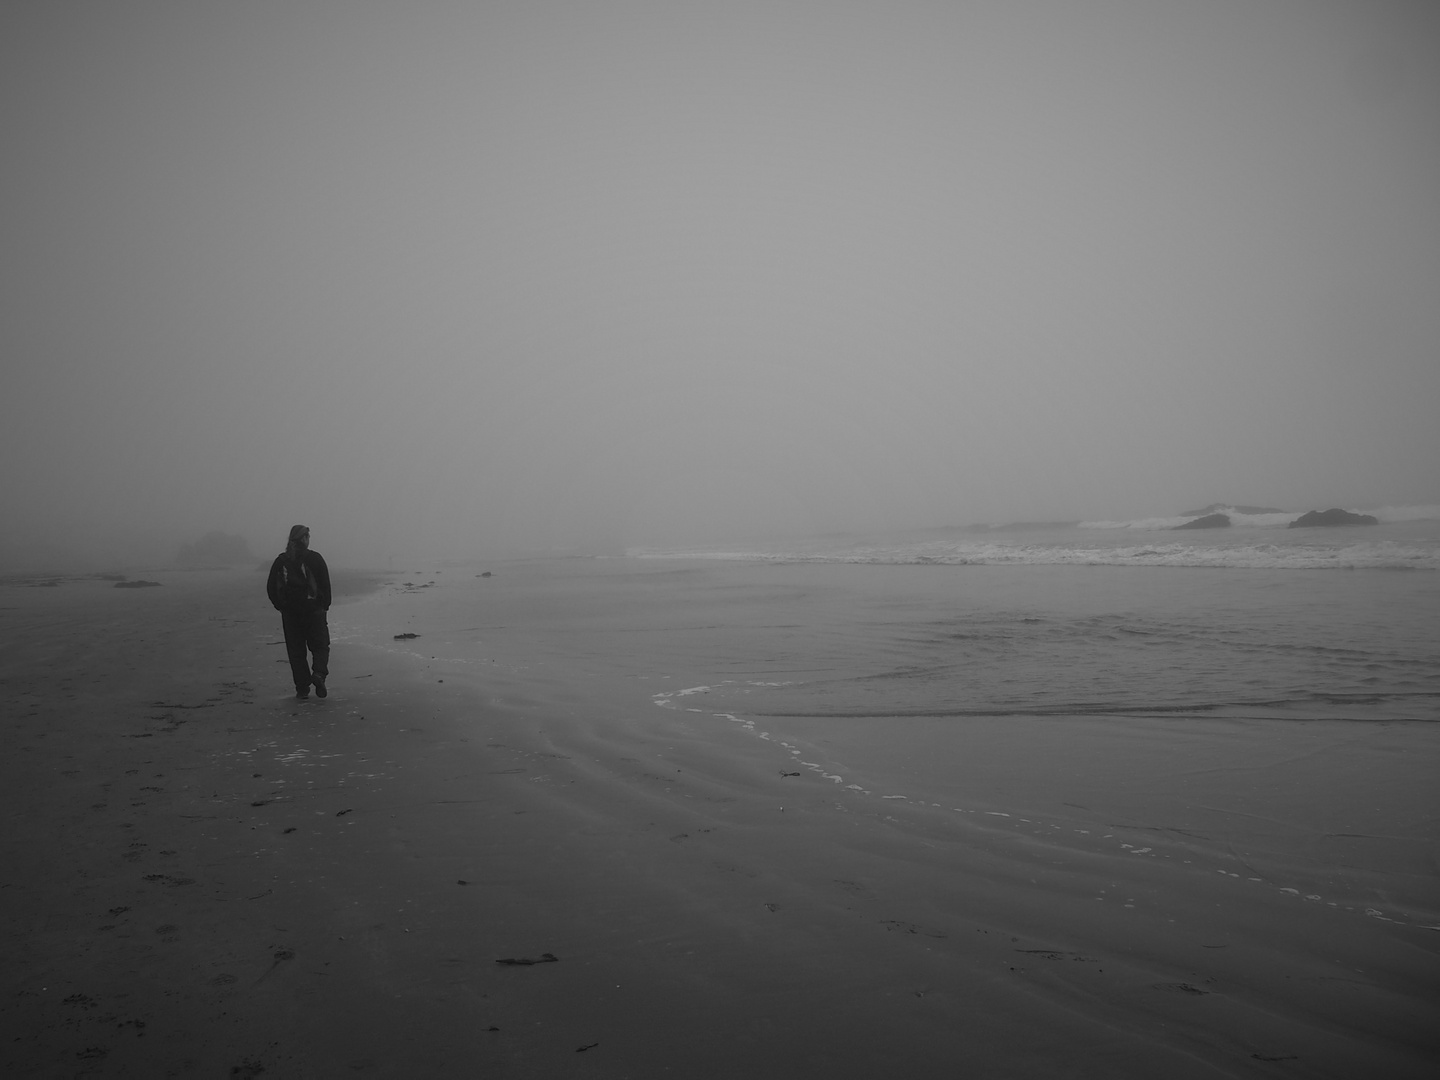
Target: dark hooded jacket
{"points": [[300, 585]]}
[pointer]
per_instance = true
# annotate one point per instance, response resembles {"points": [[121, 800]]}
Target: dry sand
{"points": [[204, 877]]}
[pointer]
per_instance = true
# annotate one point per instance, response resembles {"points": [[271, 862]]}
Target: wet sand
{"points": [[511, 870]]}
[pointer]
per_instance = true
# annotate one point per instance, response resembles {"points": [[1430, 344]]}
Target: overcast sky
{"points": [[437, 278]]}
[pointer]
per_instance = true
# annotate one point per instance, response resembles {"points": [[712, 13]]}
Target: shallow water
{"points": [[916, 640], [1068, 640]]}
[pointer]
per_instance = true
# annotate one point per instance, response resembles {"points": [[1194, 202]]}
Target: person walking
{"points": [[299, 588]]}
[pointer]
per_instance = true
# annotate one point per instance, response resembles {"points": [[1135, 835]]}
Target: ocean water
{"points": [[1070, 641], [1257, 620], [1260, 622]]}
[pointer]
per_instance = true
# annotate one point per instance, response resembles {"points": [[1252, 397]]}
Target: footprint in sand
{"points": [[169, 880], [682, 837], [1181, 988], [731, 868], [1059, 954], [911, 928], [855, 888]]}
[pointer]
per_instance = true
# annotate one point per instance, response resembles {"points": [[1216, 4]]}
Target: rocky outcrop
{"points": [[1209, 521], [1333, 516]]}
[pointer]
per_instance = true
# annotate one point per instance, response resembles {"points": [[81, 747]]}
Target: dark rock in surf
{"points": [[137, 584], [1209, 521], [1333, 516]]}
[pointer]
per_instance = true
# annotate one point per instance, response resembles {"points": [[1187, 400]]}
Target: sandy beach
{"points": [[540, 859]]}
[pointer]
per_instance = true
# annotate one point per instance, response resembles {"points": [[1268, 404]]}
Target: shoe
{"points": [[302, 693], [319, 681]]}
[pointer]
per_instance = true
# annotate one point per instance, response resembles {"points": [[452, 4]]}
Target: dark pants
{"points": [[306, 630]]}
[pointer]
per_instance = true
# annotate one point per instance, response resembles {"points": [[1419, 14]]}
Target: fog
{"points": [[446, 279]]}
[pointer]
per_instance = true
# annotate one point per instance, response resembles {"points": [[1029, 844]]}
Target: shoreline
{"points": [[205, 875]]}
